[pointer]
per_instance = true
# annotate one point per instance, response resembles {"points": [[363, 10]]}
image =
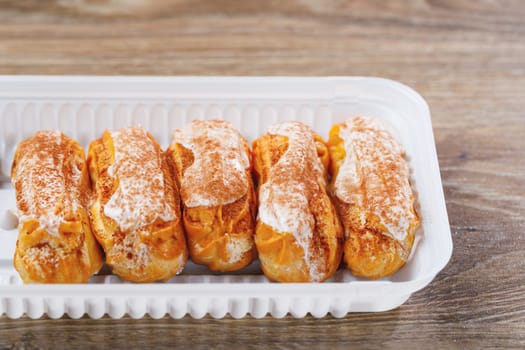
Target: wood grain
{"points": [[467, 58]]}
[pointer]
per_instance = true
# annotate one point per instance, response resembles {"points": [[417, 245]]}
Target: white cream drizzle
{"points": [[218, 174], [140, 197], [370, 151], [41, 182], [283, 205]]}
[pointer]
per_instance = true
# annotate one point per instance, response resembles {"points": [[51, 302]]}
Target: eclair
{"points": [[135, 211], [371, 188], [298, 234], [55, 243], [212, 163]]}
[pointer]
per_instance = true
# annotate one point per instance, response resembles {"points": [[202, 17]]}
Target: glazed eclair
{"points": [[55, 243], [298, 234], [135, 212], [371, 187], [212, 163]]}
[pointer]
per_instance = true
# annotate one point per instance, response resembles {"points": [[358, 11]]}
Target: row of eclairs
{"points": [[300, 205]]}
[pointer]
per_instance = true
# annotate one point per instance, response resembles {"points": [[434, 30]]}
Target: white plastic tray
{"points": [[82, 107]]}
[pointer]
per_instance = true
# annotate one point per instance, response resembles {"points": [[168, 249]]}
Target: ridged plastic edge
{"points": [[197, 307]]}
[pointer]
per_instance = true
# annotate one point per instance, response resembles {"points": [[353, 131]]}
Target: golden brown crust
{"points": [[148, 245], [219, 229], [216, 233], [368, 252], [55, 243], [287, 255], [370, 186]]}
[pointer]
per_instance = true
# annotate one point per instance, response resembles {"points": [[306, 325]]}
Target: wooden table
{"points": [[467, 58]]}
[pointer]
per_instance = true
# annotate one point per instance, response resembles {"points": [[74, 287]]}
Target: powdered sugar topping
{"points": [[374, 175], [131, 246], [47, 179], [218, 175], [140, 197], [285, 196], [237, 247]]}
